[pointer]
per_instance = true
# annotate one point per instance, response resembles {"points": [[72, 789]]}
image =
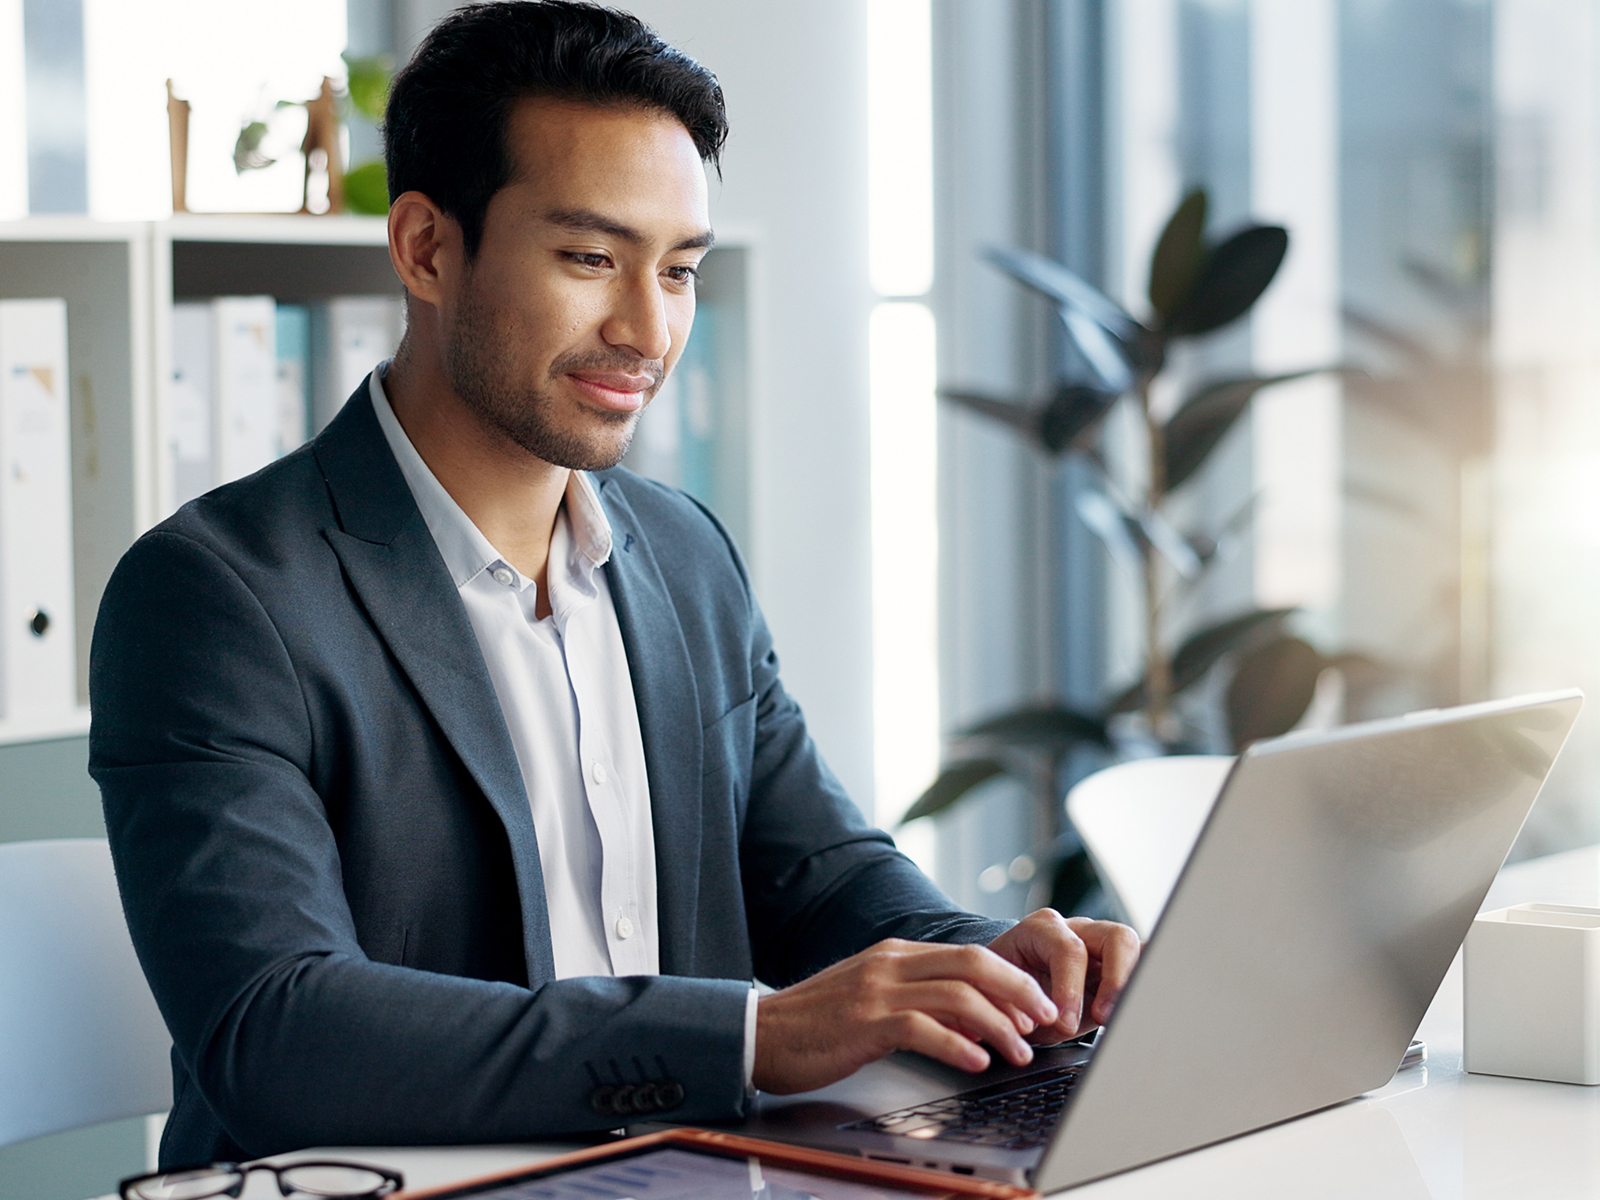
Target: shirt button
{"points": [[503, 576], [600, 776], [624, 928]]}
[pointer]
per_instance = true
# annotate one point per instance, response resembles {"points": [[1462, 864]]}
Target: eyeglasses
{"points": [[322, 1180]]}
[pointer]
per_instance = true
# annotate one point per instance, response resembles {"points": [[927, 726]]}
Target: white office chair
{"points": [[81, 1041], [1140, 819]]}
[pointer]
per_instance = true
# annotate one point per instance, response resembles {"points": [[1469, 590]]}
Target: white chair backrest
{"points": [[1140, 819], [81, 1040]]}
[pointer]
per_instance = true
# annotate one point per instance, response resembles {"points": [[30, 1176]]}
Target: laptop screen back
{"points": [[1316, 917]]}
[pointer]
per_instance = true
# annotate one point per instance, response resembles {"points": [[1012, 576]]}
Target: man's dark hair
{"points": [[445, 128]]}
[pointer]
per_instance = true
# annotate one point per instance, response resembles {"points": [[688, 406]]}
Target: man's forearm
{"points": [[335, 1049]]}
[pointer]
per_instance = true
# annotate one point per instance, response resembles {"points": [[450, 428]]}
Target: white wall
{"points": [[13, 114], [794, 178]]}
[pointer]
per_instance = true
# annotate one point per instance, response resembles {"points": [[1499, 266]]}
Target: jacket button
{"points": [[669, 1094], [601, 1100]]}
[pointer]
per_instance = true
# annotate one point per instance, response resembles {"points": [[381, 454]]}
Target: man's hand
{"points": [[1072, 958], [942, 1001], [935, 999]]}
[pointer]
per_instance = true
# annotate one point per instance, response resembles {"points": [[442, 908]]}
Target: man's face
{"points": [[582, 292]]}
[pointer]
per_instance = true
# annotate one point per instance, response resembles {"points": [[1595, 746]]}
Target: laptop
{"points": [[1319, 910]]}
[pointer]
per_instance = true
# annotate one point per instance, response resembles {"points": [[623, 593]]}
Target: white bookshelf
{"points": [[46, 729], [120, 280]]}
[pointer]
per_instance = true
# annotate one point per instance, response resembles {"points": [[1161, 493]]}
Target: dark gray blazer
{"points": [[326, 853]]}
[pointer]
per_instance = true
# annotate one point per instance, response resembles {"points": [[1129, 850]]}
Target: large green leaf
{"points": [[1073, 411], [1204, 418], [1050, 278], [369, 83], [1233, 278], [1204, 648], [954, 782], [1112, 344], [366, 189], [1053, 726], [1179, 255], [1109, 362], [1019, 416], [1070, 413], [1271, 690]]}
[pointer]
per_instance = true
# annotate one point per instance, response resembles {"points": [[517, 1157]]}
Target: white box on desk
{"points": [[1532, 993], [38, 658]]}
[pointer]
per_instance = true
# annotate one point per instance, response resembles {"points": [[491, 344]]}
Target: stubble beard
{"points": [[478, 363]]}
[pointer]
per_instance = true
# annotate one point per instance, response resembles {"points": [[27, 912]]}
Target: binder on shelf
{"points": [[38, 669], [245, 411], [236, 404], [190, 397], [294, 376], [350, 335]]}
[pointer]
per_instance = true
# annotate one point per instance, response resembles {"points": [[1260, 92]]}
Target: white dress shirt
{"points": [[566, 694], [567, 697]]}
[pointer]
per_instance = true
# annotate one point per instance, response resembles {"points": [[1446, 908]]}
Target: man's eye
{"points": [[597, 261], [684, 274]]}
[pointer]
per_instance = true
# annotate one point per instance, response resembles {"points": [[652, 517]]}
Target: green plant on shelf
{"points": [[1197, 286], [366, 185]]}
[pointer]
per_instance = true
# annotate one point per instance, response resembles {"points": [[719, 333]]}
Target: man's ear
{"points": [[425, 246]]}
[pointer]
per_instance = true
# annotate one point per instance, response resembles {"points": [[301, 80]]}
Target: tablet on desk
{"points": [[697, 1164]]}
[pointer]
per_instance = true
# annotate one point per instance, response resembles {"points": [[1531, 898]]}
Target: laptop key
{"points": [[1017, 1114]]}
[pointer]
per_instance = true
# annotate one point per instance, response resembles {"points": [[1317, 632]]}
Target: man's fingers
{"points": [[1068, 967], [1000, 981], [1117, 949], [1085, 964], [963, 1007], [1045, 943], [919, 1032]]}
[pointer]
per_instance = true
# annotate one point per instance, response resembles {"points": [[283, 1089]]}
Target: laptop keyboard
{"points": [[1017, 1114]]}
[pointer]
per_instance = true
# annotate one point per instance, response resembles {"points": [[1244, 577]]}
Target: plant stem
{"points": [[1158, 670]]}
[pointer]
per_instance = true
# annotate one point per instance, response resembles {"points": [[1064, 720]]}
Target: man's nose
{"points": [[638, 320]]}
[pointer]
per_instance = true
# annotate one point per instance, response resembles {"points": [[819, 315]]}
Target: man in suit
{"points": [[453, 792]]}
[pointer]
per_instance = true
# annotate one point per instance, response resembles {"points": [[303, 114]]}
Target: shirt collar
{"points": [[466, 552]]}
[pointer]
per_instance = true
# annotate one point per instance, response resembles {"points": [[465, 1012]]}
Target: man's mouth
{"points": [[620, 391]]}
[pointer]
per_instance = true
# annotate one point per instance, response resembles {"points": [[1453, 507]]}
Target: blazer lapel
{"points": [[669, 719], [394, 567]]}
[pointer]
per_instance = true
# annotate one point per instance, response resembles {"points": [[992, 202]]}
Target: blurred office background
{"points": [[1434, 508]]}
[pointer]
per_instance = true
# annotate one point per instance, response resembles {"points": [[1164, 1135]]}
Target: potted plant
{"points": [[1197, 286]]}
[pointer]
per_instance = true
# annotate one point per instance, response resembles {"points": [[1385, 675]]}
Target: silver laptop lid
{"points": [[1323, 903]]}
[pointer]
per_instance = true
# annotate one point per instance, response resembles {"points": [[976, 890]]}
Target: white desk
{"points": [[1434, 1132]]}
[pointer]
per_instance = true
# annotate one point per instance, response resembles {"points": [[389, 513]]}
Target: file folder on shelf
{"points": [[245, 429], [294, 376], [189, 423], [350, 335], [38, 670], [252, 378], [235, 406]]}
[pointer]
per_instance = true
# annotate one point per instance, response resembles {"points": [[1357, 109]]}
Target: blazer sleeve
{"points": [[230, 876]]}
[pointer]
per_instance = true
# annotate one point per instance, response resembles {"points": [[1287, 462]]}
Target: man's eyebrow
{"points": [[585, 220]]}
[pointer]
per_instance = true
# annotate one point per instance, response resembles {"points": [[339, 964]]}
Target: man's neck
{"points": [[509, 494]]}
